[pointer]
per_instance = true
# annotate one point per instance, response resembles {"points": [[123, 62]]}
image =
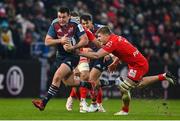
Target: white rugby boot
{"points": [[69, 103], [101, 108], [83, 107], [123, 113]]}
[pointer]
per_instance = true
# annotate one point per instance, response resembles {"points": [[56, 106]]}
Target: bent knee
{"points": [[84, 76]]}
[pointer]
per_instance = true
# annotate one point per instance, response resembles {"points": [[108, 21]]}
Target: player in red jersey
{"points": [[137, 64]]}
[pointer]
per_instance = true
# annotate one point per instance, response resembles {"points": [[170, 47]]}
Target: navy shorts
{"points": [[71, 61], [100, 64]]}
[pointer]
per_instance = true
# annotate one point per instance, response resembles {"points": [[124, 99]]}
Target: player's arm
{"points": [[83, 42], [83, 39], [95, 55], [113, 66], [51, 41], [92, 38], [51, 38]]}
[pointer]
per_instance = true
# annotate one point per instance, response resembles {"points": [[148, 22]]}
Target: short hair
{"points": [[74, 14], [64, 10], [86, 17], [104, 30]]}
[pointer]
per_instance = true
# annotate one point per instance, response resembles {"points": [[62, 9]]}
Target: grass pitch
{"points": [[55, 110]]}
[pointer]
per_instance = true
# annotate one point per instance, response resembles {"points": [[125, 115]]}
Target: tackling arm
{"points": [[83, 42], [95, 55]]}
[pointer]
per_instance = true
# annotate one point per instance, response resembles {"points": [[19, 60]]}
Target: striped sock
{"points": [[51, 92]]}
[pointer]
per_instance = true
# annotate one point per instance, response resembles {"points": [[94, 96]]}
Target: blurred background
{"points": [[153, 26]]}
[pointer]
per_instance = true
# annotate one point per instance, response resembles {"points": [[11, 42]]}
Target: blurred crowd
{"points": [[152, 25]]}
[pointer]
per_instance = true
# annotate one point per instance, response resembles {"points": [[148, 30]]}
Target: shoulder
{"points": [[54, 21], [73, 21], [98, 25]]}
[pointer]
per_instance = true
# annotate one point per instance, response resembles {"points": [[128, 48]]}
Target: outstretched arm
{"points": [[113, 66], [94, 55]]}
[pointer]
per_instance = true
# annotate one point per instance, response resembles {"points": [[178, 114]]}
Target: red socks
{"points": [[125, 109], [161, 77], [74, 93], [83, 92], [99, 95]]}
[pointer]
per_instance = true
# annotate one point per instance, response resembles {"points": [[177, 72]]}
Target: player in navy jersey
{"points": [[63, 31], [97, 66], [83, 69]]}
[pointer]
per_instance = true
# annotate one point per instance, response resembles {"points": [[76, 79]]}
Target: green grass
{"points": [[139, 109]]}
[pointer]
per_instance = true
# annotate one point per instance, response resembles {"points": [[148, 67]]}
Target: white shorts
{"points": [[84, 66]]}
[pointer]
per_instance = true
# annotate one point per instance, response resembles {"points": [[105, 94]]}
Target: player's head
{"points": [[63, 15], [86, 21], [103, 34], [75, 15]]}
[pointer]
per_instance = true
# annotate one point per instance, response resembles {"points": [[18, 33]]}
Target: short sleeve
{"points": [[51, 31], [80, 30]]}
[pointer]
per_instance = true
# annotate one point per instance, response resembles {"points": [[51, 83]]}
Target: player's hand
{"points": [[112, 67], [64, 40], [106, 58], [68, 47]]}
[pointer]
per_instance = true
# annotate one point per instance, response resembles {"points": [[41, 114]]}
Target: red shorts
{"points": [[136, 72]]}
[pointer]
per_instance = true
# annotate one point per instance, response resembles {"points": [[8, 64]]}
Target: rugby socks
{"points": [[83, 92], [85, 84], [125, 108], [161, 77], [99, 95], [51, 93], [74, 93]]}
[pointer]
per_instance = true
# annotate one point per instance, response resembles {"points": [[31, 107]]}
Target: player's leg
{"points": [[134, 76], [125, 85], [70, 99], [148, 80], [84, 69], [94, 77], [64, 71], [74, 92], [60, 73]]}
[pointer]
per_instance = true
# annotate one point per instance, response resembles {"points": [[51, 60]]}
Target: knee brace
{"points": [[124, 85]]}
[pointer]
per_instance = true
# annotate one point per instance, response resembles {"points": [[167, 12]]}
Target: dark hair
{"points": [[86, 17], [74, 14], [104, 30], [64, 10]]}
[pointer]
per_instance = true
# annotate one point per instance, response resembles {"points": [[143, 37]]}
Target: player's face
{"points": [[86, 24], [102, 38], [63, 18]]}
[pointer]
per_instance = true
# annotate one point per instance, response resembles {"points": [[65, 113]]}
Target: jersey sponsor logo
{"points": [[132, 73], [81, 29], [15, 80], [135, 53], [109, 44]]}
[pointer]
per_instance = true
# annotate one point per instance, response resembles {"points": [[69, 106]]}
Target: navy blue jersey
{"points": [[73, 30]]}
